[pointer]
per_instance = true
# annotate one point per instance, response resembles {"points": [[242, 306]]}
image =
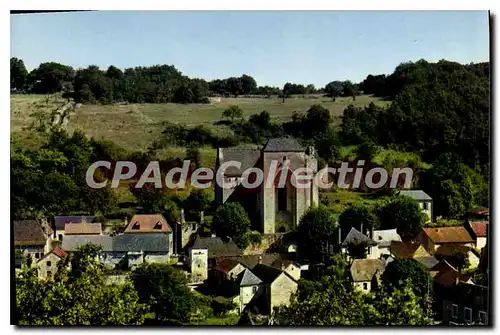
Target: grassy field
{"points": [[135, 126]]}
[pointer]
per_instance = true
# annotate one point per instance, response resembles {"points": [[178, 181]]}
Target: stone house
{"points": [[365, 273], [47, 265], [249, 288], [466, 303], [142, 248], [60, 222], [479, 231], [71, 243], [423, 199], [356, 239], [432, 238], [383, 238], [227, 270], [276, 209], [150, 224], [279, 286], [32, 238], [215, 247], [447, 251]]}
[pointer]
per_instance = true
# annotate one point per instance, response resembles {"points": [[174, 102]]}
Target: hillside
{"points": [[135, 126]]}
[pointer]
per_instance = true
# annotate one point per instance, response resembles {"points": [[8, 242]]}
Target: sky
{"points": [[274, 47]]}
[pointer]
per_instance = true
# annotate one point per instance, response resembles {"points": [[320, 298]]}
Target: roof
{"points": [[248, 278], [148, 223], [428, 262], [449, 235], [384, 237], [247, 157], [28, 232], [402, 249], [418, 195], [83, 228], [56, 251], [73, 242], [451, 249], [60, 221], [451, 277], [282, 144], [141, 242], [267, 273], [216, 247], [275, 260], [365, 269], [226, 265], [440, 268], [479, 228], [355, 236], [480, 210]]}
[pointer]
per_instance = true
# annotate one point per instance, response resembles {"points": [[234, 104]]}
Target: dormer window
{"points": [[136, 226], [157, 225]]}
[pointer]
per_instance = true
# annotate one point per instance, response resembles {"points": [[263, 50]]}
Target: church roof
{"points": [[247, 157], [355, 236], [282, 144]]}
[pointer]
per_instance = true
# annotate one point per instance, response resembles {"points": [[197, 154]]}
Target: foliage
{"points": [[78, 298], [357, 216], [316, 121], [334, 89], [164, 289], [231, 220], [316, 232], [221, 305], [18, 74], [50, 78], [198, 200], [232, 112], [404, 214], [150, 198]]}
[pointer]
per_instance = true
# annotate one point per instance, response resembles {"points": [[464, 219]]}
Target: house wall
{"points": [[460, 317], [44, 269], [115, 279], [199, 263], [247, 294], [157, 258], [361, 286], [59, 234], [481, 242], [134, 259], [473, 260], [33, 251], [426, 242], [427, 211], [281, 290], [293, 271], [235, 272]]}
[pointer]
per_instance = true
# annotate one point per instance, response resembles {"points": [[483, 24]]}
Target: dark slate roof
{"points": [[247, 278], [355, 236], [59, 221], [216, 247], [283, 144], [418, 195], [247, 157], [141, 242], [72, 242], [275, 260], [28, 232], [266, 273]]}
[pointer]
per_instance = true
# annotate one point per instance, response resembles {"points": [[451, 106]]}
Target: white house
{"points": [[423, 199], [383, 238], [365, 273]]}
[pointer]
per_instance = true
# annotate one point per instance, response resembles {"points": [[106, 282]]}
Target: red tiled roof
{"points": [[449, 235], [479, 228], [59, 252], [226, 265], [148, 223], [83, 228]]}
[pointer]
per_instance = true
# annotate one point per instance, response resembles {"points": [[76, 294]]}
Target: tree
{"points": [[367, 151], [18, 74], [318, 119], [150, 198], [357, 216], [233, 112], [164, 289], [404, 214], [328, 145], [198, 200], [334, 89], [231, 220], [400, 272], [248, 84], [50, 77], [348, 88], [316, 232]]}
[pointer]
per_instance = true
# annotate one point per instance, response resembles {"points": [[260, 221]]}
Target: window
{"points": [[49, 273], [482, 317], [157, 225], [136, 226], [49, 263], [282, 199], [424, 205], [254, 289], [454, 311], [365, 286], [60, 237], [37, 255], [467, 314]]}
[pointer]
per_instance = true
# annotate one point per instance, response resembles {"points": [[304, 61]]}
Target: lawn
{"points": [[136, 126]]}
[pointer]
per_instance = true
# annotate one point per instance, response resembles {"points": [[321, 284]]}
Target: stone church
{"points": [[272, 209]]}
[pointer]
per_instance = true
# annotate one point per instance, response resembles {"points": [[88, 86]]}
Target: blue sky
{"points": [[312, 47]]}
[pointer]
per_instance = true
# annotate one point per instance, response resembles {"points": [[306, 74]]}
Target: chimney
{"points": [[260, 259], [340, 236], [362, 232], [202, 217], [183, 219], [371, 233]]}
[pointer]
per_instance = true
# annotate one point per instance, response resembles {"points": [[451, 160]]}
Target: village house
{"points": [[47, 265], [423, 199], [227, 270], [452, 251], [365, 273], [71, 243], [60, 223], [277, 209], [466, 303], [479, 231], [150, 224], [432, 238], [32, 238], [142, 248], [248, 289], [412, 250], [383, 238], [359, 243], [279, 286], [215, 247]]}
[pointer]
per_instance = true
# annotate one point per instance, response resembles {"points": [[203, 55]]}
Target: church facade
{"points": [[273, 206]]}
